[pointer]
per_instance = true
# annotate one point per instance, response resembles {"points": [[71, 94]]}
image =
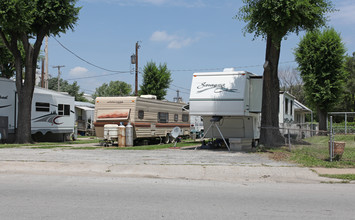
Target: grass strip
{"points": [[349, 177]]}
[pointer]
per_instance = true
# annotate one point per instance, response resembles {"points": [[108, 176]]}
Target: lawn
{"points": [[51, 144], [317, 153], [72, 145]]}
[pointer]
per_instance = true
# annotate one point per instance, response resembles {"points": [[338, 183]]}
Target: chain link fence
{"points": [[336, 143]]}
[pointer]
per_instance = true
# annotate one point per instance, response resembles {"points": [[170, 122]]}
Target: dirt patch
{"points": [[278, 156]]}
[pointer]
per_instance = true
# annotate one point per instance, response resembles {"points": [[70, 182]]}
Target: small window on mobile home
{"points": [[63, 109], [185, 117], [141, 114], [163, 117], [42, 107], [176, 117], [291, 105], [286, 105]]}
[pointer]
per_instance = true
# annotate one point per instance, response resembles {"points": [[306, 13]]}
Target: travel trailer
{"points": [[52, 115], [84, 117], [230, 105], [150, 118]]}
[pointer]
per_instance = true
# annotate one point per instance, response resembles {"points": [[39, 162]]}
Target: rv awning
{"points": [[85, 108], [118, 114]]}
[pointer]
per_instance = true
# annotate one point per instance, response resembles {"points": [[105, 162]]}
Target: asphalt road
{"points": [[28, 196]]}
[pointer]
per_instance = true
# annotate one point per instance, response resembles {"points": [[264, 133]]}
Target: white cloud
{"points": [[78, 71], [346, 14], [155, 2], [173, 41]]}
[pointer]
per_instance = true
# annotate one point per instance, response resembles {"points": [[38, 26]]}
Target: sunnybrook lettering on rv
{"points": [[218, 88]]}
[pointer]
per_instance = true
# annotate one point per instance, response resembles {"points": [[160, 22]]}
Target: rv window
{"points": [[42, 107], [141, 114], [185, 117], [63, 109], [176, 117], [163, 117]]}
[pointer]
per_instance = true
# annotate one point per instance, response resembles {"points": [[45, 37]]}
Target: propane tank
{"points": [[121, 135], [129, 135]]}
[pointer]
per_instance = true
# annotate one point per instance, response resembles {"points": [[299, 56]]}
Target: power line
{"points": [[221, 68], [90, 63], [87, 77], [180, 91], [180, 87]]}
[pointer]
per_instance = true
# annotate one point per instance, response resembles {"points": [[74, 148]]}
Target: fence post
{"points": [[331, 140], [346, 129], [289, 139]]}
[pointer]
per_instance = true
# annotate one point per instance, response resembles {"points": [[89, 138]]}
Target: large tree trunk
{"points": [[270, 134], [25, 87], [23, 132]]}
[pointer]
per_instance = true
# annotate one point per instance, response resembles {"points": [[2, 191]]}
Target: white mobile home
{"points": [[292, 115], [230, 99], [52, 115], [149, 117]]}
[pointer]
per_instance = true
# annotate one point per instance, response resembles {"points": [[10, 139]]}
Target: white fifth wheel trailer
{"points": [[150, 118], [52, 115], [230, 105]]}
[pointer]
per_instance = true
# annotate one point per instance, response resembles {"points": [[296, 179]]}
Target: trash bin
{"points": [[338, 149]]}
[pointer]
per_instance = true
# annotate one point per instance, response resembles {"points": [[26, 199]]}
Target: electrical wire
{"points": [[87, 77], [180, 87], [90, 63], [221, 68]]}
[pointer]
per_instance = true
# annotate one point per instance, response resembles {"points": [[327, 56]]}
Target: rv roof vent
{"points": [[228, 69], [149, 96]]}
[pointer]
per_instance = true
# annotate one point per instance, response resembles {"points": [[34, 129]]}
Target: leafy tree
{"points": [[156, 80], [71, 89], [320, 56], [7, 67], [273, 20], [24, 24], [349, 99], [115, 88]]}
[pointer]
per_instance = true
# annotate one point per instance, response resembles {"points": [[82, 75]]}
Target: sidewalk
{"points": [[220, 173], [187, 164]]}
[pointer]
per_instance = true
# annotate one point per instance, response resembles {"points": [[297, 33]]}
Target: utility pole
{"points": [[134, 60], [136, 89], [42, 74], [58, 75], [46, 71], [178, 98]]}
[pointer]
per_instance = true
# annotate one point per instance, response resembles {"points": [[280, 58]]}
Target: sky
{"points": [[188, 35]]}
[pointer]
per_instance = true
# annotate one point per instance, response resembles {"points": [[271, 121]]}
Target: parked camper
{"points": [[52, 115], [84, 117], [231, 100], [150, 118]]}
